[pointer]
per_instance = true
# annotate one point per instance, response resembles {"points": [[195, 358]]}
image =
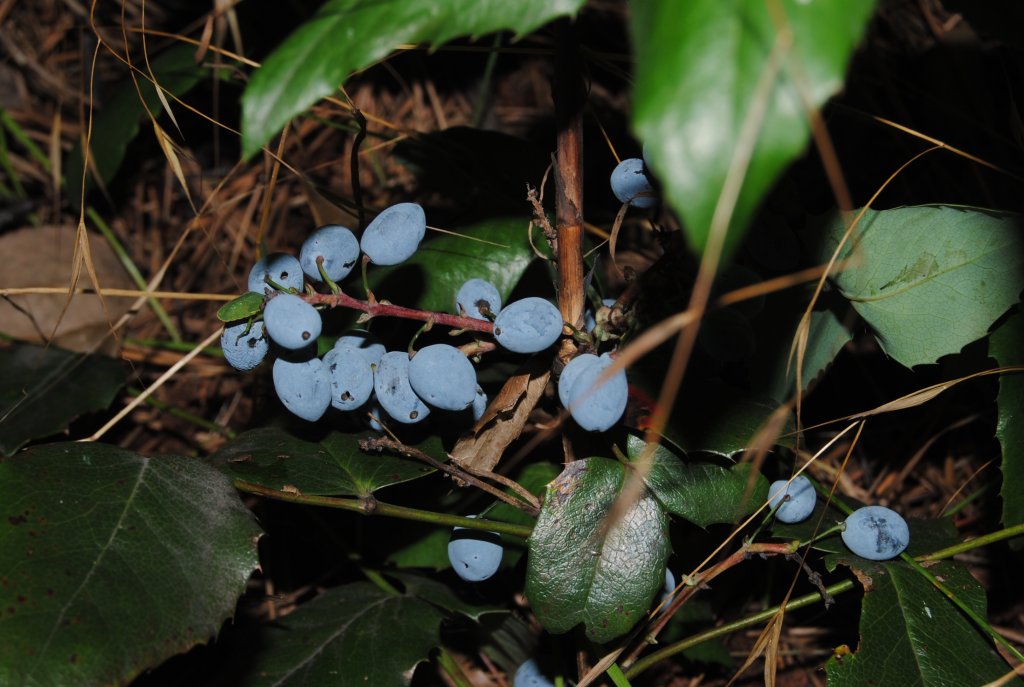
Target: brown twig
{"points": [[384, 444]]}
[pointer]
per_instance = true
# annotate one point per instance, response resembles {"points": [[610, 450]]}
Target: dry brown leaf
{"points": [[503, 421]]}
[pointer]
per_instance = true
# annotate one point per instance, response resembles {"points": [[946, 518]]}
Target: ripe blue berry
{"points": [[281, 268], [351, 377], [336, 245], [477, 296], [670, 586], [529, 674], [291, 322], [395, 234], [528, 325], [443, 377], [474, 554], [304, 388], [376, 416], [395, 395], [366, 343], [242, 350], [571, 373], [597, 407], [876, 533], [479, 404], [630, 184], [797, 500]]}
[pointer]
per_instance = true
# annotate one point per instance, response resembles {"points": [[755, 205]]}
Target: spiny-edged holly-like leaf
{"points": [[698, 67], [241, 308], [117, 123], [703, 493], [1006, 345], [579, 571], [334, 465], [44, 389], [112, 562], [347, 35], [911, 634], [930, 279], [497, 250], [356, 634]]}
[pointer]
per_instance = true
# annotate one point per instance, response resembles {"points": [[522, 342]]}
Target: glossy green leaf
{"points": [[44, 389], [112, 562], [911, 634], [434, 274], [931, 279], [332, 466], [357, 634], [698, 67], [241, 308], [1006, 345], [116, 124], [347, 35], [580, 572], [703, 493]]}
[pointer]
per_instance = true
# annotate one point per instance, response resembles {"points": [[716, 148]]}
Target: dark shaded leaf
{"points": [[347, 35], [1006, 345], [579, 573], [703, 493], [44, 389], [332, 466], [112, 562]]}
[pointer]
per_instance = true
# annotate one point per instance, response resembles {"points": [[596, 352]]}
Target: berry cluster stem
{"points": [[383, 309]]}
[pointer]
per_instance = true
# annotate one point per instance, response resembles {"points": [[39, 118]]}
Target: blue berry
{"points": [[474, 554], [282, 268], [477, 296], [395, 395], [351, 377], [291, 322], [876, 533], [571, 373], [479, 404], [596, 408], [443, 377], [529, 674], [376, 416], [304, 388], [800, 502], [338, 247], [630, 184], [366, 343], [669, 588], [242, 350], [528, 325], [395, 234]]}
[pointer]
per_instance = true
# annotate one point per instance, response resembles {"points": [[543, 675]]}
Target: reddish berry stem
{"points": [[375, 309]]}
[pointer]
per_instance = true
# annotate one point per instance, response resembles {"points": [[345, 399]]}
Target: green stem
{"points": [[977, 542], [177, 346], [450, 666], [485, 82], [692, 641], [133, 272], [19, 134], [617, 676], [369, 505], [381, 582]]}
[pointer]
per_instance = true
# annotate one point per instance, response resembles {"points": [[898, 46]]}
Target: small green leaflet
{"points": [[243, 307]]}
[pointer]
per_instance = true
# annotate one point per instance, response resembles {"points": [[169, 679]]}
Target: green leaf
{"points": [[1006, 345], [347, 35], [444, 263], [332, 466], [911, 634], [241, 308], [703, 493], [44, 389], [117, 123], [930, 279], [356, 634], [112, 562], [445, 597], [579, 573], [698, 64]]}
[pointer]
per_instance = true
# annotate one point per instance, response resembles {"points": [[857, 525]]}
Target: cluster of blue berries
{"points": [[359, 370], [873, 532]]}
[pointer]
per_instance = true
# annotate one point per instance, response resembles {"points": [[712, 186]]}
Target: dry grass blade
{"points": [[768, 644], [170, 152]]}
